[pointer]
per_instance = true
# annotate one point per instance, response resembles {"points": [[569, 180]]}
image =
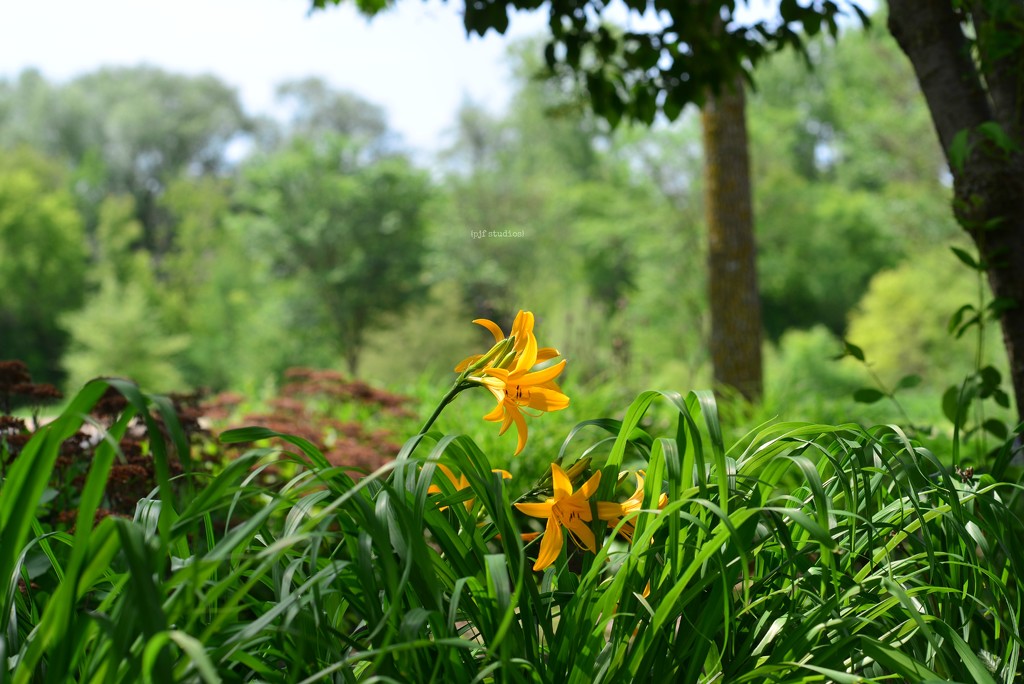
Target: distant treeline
{"points": [[151, 227]]}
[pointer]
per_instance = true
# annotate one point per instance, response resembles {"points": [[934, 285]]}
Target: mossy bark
{"points": [[736, 327], [975, 85]]}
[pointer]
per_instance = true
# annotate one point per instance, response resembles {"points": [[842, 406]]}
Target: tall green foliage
{"points": [[800, 552]]}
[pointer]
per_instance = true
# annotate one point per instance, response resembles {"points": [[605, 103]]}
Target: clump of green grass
{"points": [[801, 552]]}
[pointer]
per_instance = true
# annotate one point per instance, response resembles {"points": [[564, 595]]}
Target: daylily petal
{"points": [[590, 486], [550, 545], [528, 357], [577, 508], [508, 408], [467, 362], [498, 375], [436, 489], [450, 475], [547, 399], [614, 512], [583, 534], [546, 354], [492, 326], [560, 482], [522, 329], [517, 416], [610, 511], [494, 384], [504, 473], [544, 375], [535, 510], [566, 509], [497, 414], [498, 393]]}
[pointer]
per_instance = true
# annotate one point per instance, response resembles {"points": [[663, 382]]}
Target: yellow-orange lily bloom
{"points": [[614, 512], [518, 388], [522, 331], [461, 482], [567, 509]]}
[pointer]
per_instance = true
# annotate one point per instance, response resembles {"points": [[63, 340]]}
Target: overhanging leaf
{"points": [[868, 395], [966, 258], [959, 148]]}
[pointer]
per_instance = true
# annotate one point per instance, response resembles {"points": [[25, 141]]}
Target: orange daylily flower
{"points": [[461, 482], [567, 509], [518, 388], [522, 331], [614, 512]]}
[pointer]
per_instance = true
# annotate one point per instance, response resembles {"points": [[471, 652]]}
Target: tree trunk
{"points": [[732, 273], [962, 95]]}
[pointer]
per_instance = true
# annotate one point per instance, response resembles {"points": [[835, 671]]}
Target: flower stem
{"points": [[460, 384], [500, 347]]}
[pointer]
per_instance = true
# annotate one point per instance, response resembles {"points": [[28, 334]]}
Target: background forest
{"points": [[152, 228]]}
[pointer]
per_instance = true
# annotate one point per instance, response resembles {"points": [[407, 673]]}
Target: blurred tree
{"points": [[498, 184], [219, 287], [118, 254], [809, 230], [902, 321], [314, 108], [845, 165], [43, 261], [197, 207], [806, 381], [669, 316], [116, 333], [27, 110], [126, 130], [354, 231], [194, 297], [515, 175], [481, 140], [119, 331], [310, 108]]}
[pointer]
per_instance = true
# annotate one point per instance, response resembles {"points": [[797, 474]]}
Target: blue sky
{"points": [[415, 60]]}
